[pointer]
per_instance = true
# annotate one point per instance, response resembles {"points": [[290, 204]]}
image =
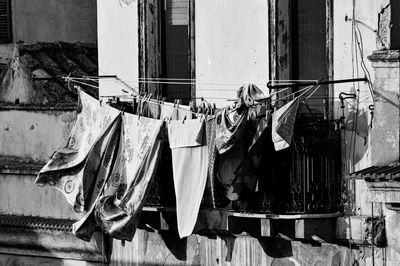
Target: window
{"points": [[176, 47], [167, 47], [301, 41], [5, 21]]}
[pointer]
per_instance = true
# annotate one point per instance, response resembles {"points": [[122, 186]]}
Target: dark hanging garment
{"points": [[230, 129]]}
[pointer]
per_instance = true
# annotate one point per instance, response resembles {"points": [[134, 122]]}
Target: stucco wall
{"points": [[153, 248], [54, 20], [347, 60], [118, 45], [32, 134], [231, 46], [20, 195], [12, 259]]}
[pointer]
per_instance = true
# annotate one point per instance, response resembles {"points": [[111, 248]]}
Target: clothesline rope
{"points": [[211, 82], [149, 100], [273, 93], [274, 100]]}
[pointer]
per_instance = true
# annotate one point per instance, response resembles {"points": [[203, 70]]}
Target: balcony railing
{"points": [[303, 179]]}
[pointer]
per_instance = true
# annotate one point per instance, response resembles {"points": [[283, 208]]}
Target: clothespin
{"points": [[198, 111], [184, 118], [209, 108]]}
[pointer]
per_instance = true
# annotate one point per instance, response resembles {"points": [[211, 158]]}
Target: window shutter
{"points": [[5, 21], [178, 12]]}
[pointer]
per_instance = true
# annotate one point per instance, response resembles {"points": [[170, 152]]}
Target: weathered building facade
{"points": [[282, 41], [37, 113], [208, 49]]}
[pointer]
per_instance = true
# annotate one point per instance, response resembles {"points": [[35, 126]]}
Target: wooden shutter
{"points": [[5, 21], [177, 12]]}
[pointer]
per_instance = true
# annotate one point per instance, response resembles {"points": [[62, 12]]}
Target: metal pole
{"points": [[302, 84]]}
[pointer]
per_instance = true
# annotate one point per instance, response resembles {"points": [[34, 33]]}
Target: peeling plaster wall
{"points": [[118, 44], [368, 13], [11, 259], [356, 148], [21, 196], [231, 46], [381, 146], [34, 135]]}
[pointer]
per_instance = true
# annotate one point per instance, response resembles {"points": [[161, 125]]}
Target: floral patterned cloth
{"points": [[118, 205], [106, 169], [67, 166]]}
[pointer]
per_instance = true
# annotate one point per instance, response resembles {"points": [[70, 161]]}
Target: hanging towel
{"points": [[256, 128], [154, 110], [171, 111], [283, 121], [119, 204], [65, 169], [230, 129], [190, 168]]}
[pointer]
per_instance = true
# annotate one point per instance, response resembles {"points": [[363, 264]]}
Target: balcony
{"points": [[298, 191]]}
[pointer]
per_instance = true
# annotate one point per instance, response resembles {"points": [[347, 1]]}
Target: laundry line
{"points": [[261, 101], [202, 80], [218, 98], [282, 87], [109, 96]]}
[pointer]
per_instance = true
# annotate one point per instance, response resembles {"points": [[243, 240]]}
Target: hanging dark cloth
{"points": [[230, 129]]}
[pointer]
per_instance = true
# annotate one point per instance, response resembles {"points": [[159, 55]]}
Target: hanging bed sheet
{"points": [[106, 168]]}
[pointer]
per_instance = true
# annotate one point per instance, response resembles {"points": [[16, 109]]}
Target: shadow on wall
{"points": [[357, 130], [24, 244]]}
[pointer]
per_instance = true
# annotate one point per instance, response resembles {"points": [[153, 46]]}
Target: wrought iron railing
{"points": [[305, 178]]}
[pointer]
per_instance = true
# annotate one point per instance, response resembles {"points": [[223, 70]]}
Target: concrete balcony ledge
{"points": [[48, 108], [383, 183], [385, 55], [47, 237], [19, 166], [387, 192], [294, 226]]}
